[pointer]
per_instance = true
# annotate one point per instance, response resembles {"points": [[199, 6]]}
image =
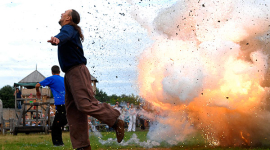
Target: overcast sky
{"points": [[114, 38]]}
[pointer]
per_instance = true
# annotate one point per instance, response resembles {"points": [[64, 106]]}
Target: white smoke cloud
{"points": [[208, 70], [133, 140]]}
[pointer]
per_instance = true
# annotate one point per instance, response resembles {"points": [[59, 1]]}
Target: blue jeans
{"points": [[19, 104]]}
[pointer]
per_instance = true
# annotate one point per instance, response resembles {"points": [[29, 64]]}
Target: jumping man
{"points": [[80, 100]]}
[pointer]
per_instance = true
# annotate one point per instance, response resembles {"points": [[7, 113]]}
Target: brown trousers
{"points": [[80, 102]]}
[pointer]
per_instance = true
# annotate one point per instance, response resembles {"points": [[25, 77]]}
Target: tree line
{"points": [[8, 99], [103, 97]]}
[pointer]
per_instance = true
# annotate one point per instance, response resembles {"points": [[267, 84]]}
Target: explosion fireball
{"points": [[208, 71]]}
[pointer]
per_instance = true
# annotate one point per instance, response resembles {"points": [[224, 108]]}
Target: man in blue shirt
{"points": [[18, 95], [80, 100], [56, 83]]}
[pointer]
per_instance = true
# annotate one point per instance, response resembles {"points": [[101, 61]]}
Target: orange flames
{"points": [[229, 98], [246, 141], [206, 69]]}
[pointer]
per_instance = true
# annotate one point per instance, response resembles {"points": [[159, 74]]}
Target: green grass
{"points": [[43, 142]]}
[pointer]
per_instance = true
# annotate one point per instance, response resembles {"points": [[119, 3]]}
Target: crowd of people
{"points": [[132, 115]]}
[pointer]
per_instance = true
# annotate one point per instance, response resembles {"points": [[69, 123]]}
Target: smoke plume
{"points": [[208, 72]]}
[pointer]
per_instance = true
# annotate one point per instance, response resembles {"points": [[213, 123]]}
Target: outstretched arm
{"points": [[54, 40], [65, 34]]}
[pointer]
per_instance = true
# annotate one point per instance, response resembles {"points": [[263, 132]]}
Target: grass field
{"points": [[41, 141]]}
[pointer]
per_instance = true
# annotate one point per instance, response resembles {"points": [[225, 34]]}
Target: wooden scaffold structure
{"points": [[34, 114], [41, 123]]}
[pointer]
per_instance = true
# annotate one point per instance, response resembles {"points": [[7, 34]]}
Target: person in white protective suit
{"points": [[132, 117]]}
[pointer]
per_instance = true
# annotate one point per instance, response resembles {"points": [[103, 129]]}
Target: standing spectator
{"points": [[132, 117], [56, 83], [117, 107], [80, 100], [141, 117], [90, 128], [127, 106], [126, 115], [18, 95]]}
